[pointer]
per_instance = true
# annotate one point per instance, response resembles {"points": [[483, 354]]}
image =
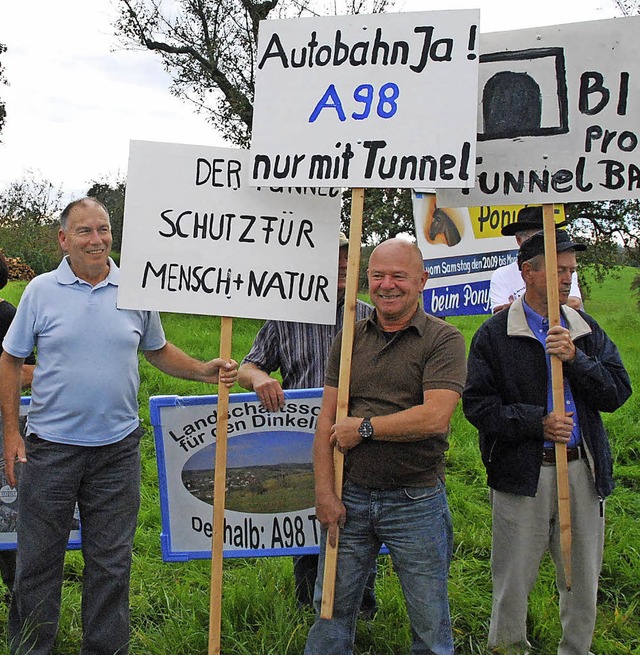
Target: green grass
{"points": [[170, 602], [294, 492]]}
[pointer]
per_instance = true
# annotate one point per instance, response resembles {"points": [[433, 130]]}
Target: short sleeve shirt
{"points": [[507, 285], [388, 376], [7, 312], [85, 385]]}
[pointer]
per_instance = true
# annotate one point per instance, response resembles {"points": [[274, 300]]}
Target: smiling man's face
{"points": [[87, 240], [396, 280]]}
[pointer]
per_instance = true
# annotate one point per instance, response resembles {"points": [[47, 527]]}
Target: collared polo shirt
{"points": [[86, 382], [388, 376]]}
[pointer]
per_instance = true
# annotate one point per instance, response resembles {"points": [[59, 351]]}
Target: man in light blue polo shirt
{"points": [[83, 434]]}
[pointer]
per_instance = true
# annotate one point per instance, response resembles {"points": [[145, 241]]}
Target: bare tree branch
{"points": [[209, 48]]}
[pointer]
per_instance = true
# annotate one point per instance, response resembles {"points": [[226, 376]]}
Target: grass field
{"points": [[170, 602]]}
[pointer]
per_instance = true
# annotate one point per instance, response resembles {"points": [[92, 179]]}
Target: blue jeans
{"points": [[305, 572], [105, 481], [415, 525]]}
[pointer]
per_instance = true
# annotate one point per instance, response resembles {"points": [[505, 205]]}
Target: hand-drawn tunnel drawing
{"points": [[524, 93]]}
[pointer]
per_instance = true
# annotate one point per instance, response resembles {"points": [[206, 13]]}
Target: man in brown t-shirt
{"points": [[408, 372]]}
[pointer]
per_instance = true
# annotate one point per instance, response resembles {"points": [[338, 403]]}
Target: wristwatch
{"points": [[366, 429]]}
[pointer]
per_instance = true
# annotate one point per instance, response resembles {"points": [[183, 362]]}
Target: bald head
{"points": [[402, 251], [396, 280], [77, 204]]}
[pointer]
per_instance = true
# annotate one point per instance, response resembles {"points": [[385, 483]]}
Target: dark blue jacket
{"points": [[506, 396]]}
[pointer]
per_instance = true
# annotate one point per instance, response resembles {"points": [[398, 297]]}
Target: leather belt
{"points": [[549, 454]]}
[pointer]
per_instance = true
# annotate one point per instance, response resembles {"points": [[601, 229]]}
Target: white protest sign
{"points": [[270, 493], [559, 115], [197, 239], [383, 100]]}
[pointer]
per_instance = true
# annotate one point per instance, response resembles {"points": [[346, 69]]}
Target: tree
{"points": [[209, 48], [28, 222], [629, 7], [612, 230], [111, 195], [3, 80], [30, 200], [386, 213]]}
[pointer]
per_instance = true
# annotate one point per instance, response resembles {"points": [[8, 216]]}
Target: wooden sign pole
{"points": [[557, 385], [219, 491], [348, 323]]}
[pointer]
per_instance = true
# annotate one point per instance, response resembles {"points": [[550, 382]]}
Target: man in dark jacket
{"points": [[508, 398]]}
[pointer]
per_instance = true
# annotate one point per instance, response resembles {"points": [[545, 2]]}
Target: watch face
{"points": [[366, 429]]}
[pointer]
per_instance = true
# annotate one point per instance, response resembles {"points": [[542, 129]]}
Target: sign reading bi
{"points": [[558, 116]]}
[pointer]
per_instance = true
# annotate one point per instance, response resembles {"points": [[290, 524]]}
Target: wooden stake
{"points": [[557, 385], [219, 492], [348, 323]]}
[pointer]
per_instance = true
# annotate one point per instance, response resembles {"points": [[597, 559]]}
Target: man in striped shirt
{"points": [[299, 351]]}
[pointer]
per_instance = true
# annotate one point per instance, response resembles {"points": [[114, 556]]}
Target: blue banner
{"points": [[270, 503], [458, 299]]}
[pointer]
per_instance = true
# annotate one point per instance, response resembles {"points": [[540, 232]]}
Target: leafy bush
{"points": [[34, 245]]}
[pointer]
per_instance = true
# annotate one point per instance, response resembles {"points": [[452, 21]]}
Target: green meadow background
{"points": [[170, 602]]}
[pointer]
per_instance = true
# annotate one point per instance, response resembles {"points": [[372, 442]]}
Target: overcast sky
{"points": [[76, 99]]}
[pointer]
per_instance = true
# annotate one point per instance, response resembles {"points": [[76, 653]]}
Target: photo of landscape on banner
{"points": [[270, 504], [461, 248]]}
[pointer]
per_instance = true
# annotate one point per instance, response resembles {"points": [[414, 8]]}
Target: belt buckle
{"points": [[549, 456]]}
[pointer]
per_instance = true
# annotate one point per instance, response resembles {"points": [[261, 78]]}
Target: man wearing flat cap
{"points": [[506, 282], [508, 398]]}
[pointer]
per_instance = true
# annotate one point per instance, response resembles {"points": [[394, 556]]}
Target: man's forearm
{"points": [[330, 510], [249, 375], [10, 387], [323, 469], [175, 362], [10, 378], [27, 375], [420, 421], [267, 388], [171, 360]]}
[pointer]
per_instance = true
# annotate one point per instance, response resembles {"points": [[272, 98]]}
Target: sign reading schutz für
{"points": [[198, 239]]}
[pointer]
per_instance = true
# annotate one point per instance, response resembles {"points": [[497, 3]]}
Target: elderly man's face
{"points": [[396, 280], [536, 280], [87, 240]]}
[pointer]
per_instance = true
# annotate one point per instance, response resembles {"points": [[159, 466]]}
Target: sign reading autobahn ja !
{"points": [[382, 100]]}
